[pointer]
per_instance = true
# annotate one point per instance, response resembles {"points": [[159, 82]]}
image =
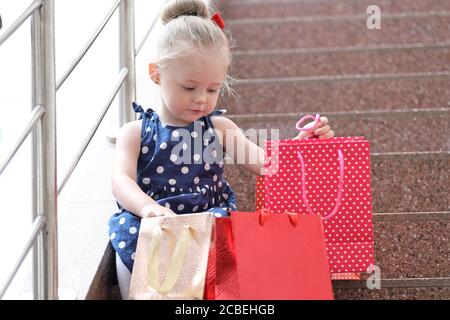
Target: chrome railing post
{"points": [[127, 60], [45, 262]]}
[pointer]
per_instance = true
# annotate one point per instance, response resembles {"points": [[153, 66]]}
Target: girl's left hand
{"points": [[323, 130]]}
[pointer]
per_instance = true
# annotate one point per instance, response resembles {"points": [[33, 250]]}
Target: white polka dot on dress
{"points": [[160, 169]]}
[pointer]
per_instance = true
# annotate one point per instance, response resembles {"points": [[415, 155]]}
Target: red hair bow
{"points": [[218, 20]]}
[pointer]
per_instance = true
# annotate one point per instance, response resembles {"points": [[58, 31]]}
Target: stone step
{"points": [[410, 293], [298, 32], [412, 249], [260, 9], [104, 286], [322, 62], [339, 93], [401, 182], [390, 131]]}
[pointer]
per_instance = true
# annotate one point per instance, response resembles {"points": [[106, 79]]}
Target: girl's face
{"points": [[190, 86]]}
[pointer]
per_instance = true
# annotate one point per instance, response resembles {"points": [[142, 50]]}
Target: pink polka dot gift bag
{"points": [[330, 178]]}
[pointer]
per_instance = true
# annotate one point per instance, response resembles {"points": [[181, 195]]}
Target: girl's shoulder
{"points": [[132, 125], [130, 132]]}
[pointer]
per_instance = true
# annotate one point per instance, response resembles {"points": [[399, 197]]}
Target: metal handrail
{"points": [[37, 226], [122, 76], [147, 34], [88, 45], [46, 261], [35, 116], [19, 21]]}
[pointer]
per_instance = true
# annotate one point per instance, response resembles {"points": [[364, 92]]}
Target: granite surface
{"points": [[393, 294], [395, 132], [409, 185], [412, 249], [340, 33], [247, 9], [296, 63], [406, 78], [339, 95]]}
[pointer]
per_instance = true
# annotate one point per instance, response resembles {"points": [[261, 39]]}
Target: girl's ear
{"points": [[154, 72]]}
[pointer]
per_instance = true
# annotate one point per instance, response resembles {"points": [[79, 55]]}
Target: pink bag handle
{"points": [[316, 119], [340, 185]]}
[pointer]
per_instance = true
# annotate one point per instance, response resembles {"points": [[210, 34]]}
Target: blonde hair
{"points": [[187, 28]]}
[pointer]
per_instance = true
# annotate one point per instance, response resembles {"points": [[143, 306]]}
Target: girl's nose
{"points": [[200, 98]]}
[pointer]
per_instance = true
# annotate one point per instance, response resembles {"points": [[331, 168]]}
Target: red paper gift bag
{"points": [[221, 276], [330, 178], [280, 256]]}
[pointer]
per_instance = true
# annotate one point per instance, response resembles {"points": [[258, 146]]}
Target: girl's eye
{"points": [[188, 88], [213, 91]]}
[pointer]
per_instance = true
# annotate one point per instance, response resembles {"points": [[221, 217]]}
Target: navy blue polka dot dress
{"points": [[180, 168]]}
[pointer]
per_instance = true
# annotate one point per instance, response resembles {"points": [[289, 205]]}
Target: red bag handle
{"points": [[340, 185], [265, 213]]}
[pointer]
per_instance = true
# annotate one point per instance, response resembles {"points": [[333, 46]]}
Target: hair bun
{"points": [[178, 8]]}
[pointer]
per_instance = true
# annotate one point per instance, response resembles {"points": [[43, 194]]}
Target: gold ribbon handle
{"points": [[175, 263]]}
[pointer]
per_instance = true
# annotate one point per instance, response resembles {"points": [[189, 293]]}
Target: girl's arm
{"points": [[242, 150], [236, 142], [124, 186]]}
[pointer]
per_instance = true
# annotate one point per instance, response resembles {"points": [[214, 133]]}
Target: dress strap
{"points": [[207, 119], [138, 109]]}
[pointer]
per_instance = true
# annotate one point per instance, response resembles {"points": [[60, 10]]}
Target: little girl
{"points": [[157, 173]]}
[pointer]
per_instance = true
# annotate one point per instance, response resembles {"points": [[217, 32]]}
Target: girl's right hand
{"points": [[155, 210]]}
